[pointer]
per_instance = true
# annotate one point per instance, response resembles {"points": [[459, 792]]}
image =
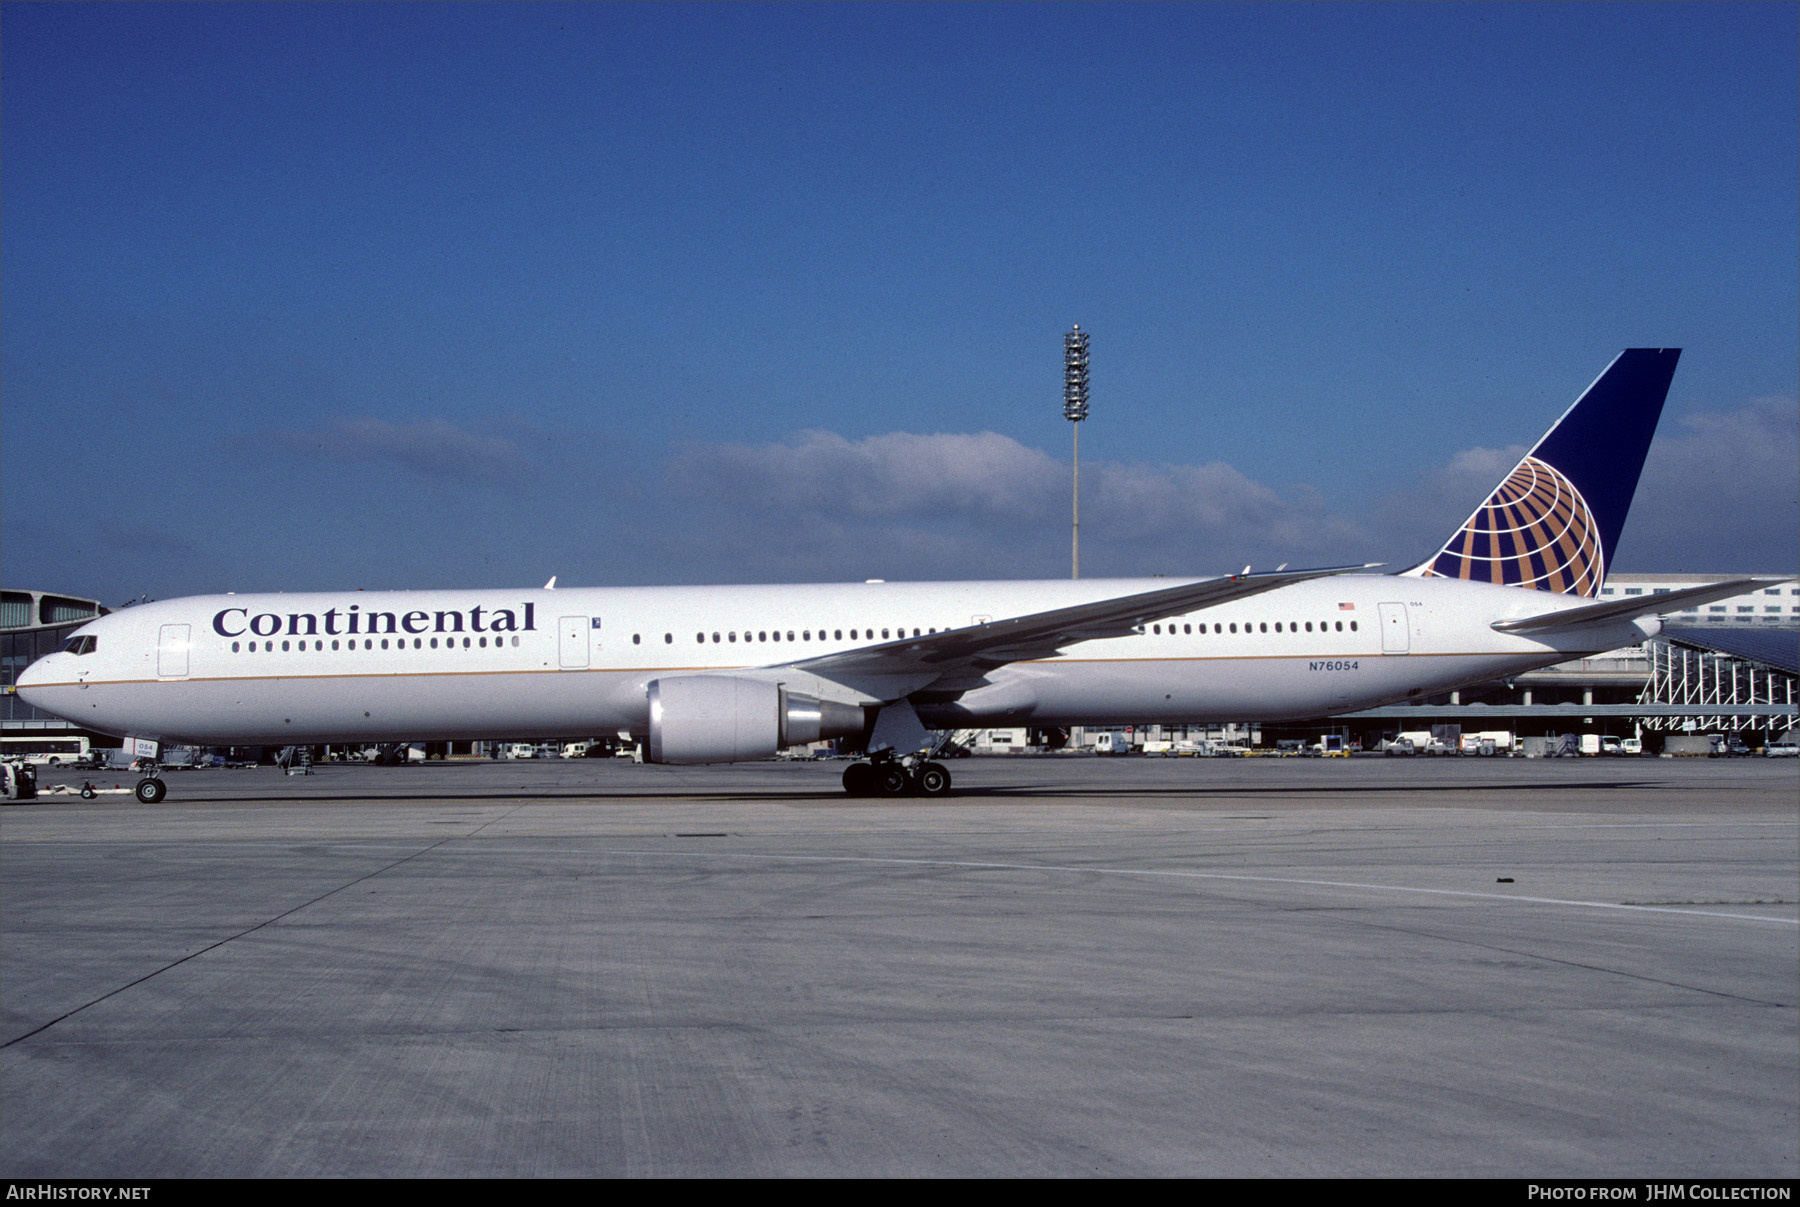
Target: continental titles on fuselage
{"points": [[359, 622]]}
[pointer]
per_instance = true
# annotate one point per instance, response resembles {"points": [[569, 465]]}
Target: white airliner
{"points": [[723, 674]]}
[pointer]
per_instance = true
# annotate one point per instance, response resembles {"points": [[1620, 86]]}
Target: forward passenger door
{"points": [[172, 651]]}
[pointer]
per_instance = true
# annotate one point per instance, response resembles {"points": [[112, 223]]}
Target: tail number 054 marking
{"points": [[1333, 664]]}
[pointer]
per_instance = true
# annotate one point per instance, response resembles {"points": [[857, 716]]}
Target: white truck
{"points": [[1488, 742]]}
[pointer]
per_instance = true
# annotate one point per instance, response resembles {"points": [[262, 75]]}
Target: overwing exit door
{"points": [[572, 642], [1394, 636]]}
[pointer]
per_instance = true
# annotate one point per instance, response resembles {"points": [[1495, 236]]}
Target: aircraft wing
{"points": [[1614, 610], [907, 664]]}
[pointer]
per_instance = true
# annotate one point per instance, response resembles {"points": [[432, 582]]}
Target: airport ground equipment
{"points": [[18, 781]]}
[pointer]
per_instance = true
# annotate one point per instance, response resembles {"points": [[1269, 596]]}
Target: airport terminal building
{"points": [[32, 624], [1777, 606]]}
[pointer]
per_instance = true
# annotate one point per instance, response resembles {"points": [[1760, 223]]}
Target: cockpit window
{"points": [[78, 645]]}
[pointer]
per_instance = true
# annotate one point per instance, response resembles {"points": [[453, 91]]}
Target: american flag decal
{"points": [[1535, 530], [1346, 607]]}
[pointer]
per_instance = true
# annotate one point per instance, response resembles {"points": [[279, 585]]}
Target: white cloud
{"points": [[431, 447], [1414, 522], [957, 505], [900, 474], [1208, 505], [1720, 494]]}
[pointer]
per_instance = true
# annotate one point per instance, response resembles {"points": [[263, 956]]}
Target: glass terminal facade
{"points": [[32, 624]]}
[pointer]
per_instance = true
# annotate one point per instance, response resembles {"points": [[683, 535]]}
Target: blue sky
{"points": [[310, 296]]}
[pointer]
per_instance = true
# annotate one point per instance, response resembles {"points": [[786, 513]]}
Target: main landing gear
{"points": [[885, 775]]}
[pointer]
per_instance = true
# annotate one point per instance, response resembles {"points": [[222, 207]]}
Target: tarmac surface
{"points": [[1069, 966]]}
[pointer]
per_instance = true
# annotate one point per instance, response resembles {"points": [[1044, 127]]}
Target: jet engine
{"points": [[721, 719]]}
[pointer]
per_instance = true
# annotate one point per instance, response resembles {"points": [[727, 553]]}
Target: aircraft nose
{"points": [[29, 678]]}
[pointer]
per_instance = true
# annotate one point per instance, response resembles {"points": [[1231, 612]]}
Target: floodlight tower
{"points": [[1075, 409]]}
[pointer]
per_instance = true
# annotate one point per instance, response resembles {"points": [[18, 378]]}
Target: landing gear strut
{"points": [[885, 775]]}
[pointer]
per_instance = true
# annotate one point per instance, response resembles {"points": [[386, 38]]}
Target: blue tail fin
{"points": [[1555, 520]]}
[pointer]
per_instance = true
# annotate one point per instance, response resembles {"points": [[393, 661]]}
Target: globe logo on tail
{"points": [[1535, 530]]}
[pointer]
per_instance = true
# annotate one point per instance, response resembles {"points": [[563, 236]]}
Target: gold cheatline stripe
{"points": [[663, 670]]}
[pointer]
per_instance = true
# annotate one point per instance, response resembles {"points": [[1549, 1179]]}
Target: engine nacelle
{"points": [[721, 719]]}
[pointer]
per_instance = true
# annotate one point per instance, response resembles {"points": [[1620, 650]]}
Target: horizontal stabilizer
{"points": [[1613, 611]]}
